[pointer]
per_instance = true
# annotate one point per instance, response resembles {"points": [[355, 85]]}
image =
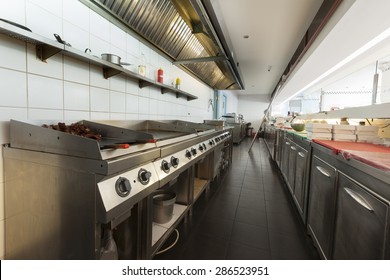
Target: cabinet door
{"points": [[291, 166], [322, 203], [360, 223], [285, 153], [300, 178]]}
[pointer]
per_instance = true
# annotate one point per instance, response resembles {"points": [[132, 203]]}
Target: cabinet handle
{"points": [[301, 154], [323, 171], [293, 148], [359, 199]]}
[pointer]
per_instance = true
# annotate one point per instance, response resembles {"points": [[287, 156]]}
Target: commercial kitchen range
{"points": [[74, 197]]}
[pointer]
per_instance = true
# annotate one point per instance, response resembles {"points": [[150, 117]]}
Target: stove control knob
{"points": [[201, 147], [193, 151], [165, 166], [122, 186], [188, 154], [204, 146], [210, 143], [144, 176], [174, 162]]}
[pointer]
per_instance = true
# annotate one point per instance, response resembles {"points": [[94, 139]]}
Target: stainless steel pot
{"points": [[163, 202], [113, 59]]}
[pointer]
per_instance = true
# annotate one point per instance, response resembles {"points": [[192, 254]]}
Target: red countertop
{"points": [[371, 154]]}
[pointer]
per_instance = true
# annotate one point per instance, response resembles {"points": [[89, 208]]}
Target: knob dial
{"points": [[144, 176], [210, 143], [201, 148], [174, 161], [204, 146], [165, 166], [122, 186], [193, 151], [188, 154]]}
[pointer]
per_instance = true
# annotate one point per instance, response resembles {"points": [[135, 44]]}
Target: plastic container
{"points": [[160, 75], [163, 203], [177, 83]]}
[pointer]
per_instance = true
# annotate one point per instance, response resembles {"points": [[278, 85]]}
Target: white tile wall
{"points": [[99, 27], [45, 92], [118, 83], [45, 114], [117, 102], [52, 6], [76, 115], [63, 88], [13, 49], [132, 104], [76, 71], [100, 99], [76, 96], [76, 13], [97, 79], [53, 67], [76, 36], [37, 19], [14, 11], [7, 113], [13, 88]]}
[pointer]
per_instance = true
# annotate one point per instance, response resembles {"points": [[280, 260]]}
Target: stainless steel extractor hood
{"points": [[183, 31]]}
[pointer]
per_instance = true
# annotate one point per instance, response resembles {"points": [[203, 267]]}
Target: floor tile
{"points": [[238, 251], [248, 214], [255, 236]]}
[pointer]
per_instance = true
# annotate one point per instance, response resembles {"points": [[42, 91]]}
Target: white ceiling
{"points": [[275, 29]]}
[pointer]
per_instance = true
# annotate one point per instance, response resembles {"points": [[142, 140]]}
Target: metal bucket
{"points": [[163, 202]]}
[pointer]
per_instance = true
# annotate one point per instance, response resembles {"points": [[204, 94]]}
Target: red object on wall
{"points": [[160, 75]]}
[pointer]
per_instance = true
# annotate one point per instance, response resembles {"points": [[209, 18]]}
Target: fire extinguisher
{"points": [[160, 75]]}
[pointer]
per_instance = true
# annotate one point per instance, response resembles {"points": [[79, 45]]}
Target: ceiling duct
{"points": [[182, 30]]}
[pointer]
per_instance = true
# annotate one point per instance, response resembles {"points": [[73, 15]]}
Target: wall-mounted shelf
{"points": [[46, 48]]}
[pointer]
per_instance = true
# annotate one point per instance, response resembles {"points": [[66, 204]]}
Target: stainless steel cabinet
{"points": [[292, 156], [322, 204], [285, 154], [301, 176], [361, 222]]}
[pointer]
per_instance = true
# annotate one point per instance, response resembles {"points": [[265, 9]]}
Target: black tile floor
{"points": [[248, 215]]}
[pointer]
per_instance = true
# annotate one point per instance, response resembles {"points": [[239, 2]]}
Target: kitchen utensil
{"points": [[115, 146], [163, 203], [59, 39], [15, 24], [113, 59]]}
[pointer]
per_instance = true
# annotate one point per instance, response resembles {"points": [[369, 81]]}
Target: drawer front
{"points": [[322, 200], [361, 222]]}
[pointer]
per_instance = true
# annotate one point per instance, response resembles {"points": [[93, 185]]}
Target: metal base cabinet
{"points": [[362, 222], [322, 205]]}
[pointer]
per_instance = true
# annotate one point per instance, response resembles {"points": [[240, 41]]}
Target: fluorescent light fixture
{"points": [[384, 35]]}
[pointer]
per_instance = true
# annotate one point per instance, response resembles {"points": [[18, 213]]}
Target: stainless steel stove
{"points": [[72, 197]]}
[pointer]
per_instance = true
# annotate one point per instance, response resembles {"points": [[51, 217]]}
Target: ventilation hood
{"points": [[184, 30]]}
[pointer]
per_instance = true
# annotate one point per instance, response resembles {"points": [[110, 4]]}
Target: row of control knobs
{"points": [[123, 185], [166, 166]]}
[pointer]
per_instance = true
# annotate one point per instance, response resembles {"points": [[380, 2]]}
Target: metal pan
{"points": [[15, 24], [113, 59]]}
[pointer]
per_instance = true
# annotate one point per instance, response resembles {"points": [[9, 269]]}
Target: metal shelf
{"points": [[46, 48]]}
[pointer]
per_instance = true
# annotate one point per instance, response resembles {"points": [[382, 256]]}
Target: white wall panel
{"points": [[13, 88], [12, 48], [45, 92]]}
